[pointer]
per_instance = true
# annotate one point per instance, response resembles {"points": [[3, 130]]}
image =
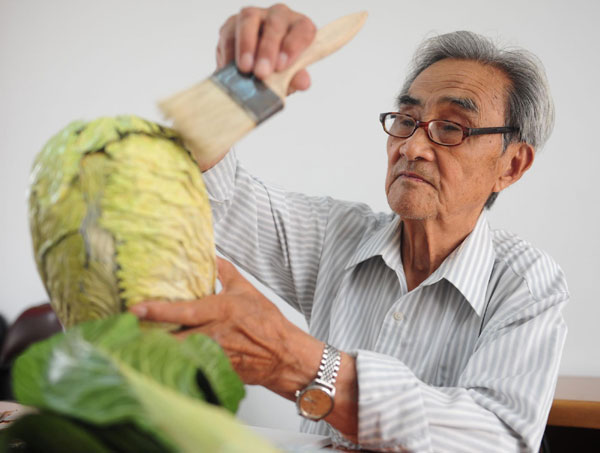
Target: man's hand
{"points": [[263, 40], [263, 346]]}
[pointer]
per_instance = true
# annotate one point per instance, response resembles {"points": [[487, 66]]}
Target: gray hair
{"points": [[529, 104]]}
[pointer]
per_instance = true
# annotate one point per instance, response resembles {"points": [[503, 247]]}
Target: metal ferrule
{"points": [[248, 92]]}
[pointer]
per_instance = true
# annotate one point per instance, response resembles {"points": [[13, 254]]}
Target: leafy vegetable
{"points": [[110, 376], [119, 214], [51, 433]]}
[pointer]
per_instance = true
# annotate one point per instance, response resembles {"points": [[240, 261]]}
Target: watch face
{"points": [[315, 403]]}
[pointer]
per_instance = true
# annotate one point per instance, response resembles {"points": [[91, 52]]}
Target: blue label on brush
{"points": [[249, 92]]}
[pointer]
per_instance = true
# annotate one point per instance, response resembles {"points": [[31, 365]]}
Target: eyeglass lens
{"points": [[442, 132]]}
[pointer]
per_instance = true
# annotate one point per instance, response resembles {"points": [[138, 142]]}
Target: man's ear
{"points": [[517, 159]]}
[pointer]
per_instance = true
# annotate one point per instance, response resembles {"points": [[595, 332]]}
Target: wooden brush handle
{"points": [[327, 40]]}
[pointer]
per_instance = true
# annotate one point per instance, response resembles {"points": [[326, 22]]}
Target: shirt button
{"points": [[398, 316]]}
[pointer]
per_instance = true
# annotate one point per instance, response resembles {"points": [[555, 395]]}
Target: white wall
{"points": [[67, 59]]}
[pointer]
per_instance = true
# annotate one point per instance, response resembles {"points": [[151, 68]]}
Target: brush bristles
{"points": [[208, 119]]}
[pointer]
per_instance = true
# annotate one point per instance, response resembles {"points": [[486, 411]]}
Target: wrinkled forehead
{"points": [[475, 88]]}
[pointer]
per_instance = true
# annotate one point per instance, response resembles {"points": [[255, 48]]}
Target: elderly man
{"points": [[450, 333]]}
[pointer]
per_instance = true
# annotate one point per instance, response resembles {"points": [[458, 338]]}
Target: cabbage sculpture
{"points": [[119, 214], [107, 386]]}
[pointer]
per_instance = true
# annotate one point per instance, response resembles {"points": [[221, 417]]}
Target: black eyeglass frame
{"points": [[467, 131]]}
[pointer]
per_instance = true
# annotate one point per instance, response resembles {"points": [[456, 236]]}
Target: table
{"points": [[576, 403]]}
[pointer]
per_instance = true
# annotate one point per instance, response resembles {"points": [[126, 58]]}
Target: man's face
{"points": [[430, 181]]}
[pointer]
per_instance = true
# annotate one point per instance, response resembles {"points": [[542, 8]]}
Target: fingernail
{"points": [[246, 62], [139, 310], [263, 68], [282, 61]]}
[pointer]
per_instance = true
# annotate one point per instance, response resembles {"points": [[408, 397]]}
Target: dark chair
{"points": [[34, 324], [3, 329]]}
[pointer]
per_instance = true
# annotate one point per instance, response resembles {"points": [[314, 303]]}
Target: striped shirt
{"points": [[467, 361]]}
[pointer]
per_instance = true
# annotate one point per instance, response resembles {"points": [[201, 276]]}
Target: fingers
{"points": [[198, 312], [247, 29], [228, 275], [300, 34], [275, 27], [226, 44], [300, 82], [285, 34], [194, 313], [265, 40]]}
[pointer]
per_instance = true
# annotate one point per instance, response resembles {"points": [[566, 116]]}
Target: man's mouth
{"points": [[407, 175]]}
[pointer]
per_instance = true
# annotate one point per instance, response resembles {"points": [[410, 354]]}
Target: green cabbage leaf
{"points": [[117, 387]]}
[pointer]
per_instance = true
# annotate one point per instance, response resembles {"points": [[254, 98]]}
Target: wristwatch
{"points": [[315, 401]]}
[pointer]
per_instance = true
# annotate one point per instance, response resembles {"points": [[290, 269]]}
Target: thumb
{"points": [[227, 274], [300, 82]]}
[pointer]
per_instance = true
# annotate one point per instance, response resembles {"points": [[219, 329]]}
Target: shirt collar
{"points": [[467, 268], [384, 241]]}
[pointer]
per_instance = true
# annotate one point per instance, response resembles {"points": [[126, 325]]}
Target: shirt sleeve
{"points": [[500, 404], [275, 235]]}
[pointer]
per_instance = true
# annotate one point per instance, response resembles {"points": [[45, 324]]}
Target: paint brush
{"points": [[214, 114]]}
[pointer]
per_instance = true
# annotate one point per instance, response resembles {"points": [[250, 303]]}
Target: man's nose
{"points": [[417, 147]]}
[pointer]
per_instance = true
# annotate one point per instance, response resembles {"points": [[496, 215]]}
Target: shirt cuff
{"points": [[391, 411], [220, 179]]}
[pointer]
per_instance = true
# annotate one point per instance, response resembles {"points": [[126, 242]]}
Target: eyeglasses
{"points": [[441, 132]]}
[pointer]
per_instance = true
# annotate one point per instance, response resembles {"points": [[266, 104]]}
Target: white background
{"points": [[62, 60]]}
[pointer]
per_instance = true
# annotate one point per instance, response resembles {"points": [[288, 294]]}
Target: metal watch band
{"points": [[330, 365], [316, 400]]}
